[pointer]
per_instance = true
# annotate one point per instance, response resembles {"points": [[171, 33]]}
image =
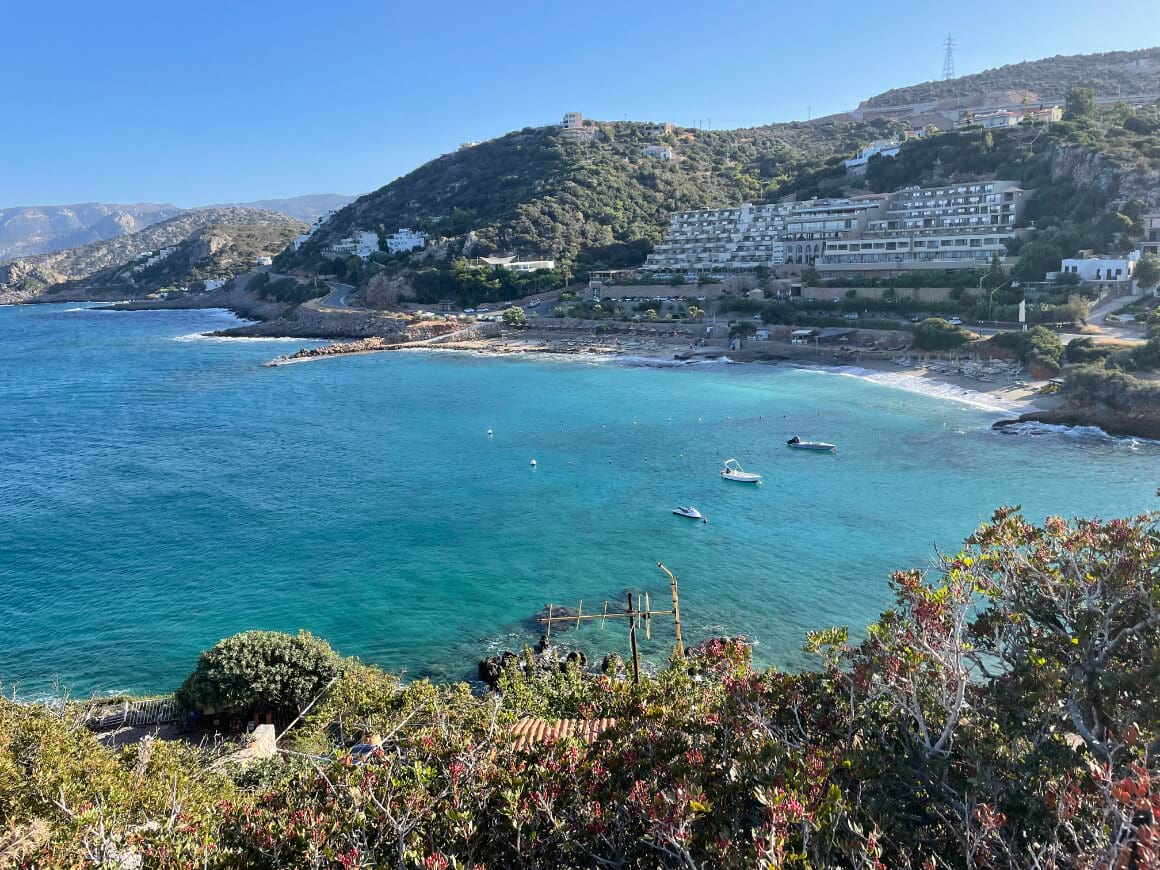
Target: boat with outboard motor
{"points": [[690, 512], [733, 471], [796, 443]]}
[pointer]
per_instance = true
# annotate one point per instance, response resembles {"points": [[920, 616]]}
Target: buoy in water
{"points": [[533, 463], [488, 433]]}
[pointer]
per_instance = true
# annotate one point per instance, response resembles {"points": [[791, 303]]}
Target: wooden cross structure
{"points": [[635, 614]]}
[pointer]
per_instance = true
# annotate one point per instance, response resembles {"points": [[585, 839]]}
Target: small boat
{"points": [[816, 446], [690, 512], [734, 471]]}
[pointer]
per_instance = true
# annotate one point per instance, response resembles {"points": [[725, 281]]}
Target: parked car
{"points": [[956, 321], [916, 318], [468, 310], [853, 315]]}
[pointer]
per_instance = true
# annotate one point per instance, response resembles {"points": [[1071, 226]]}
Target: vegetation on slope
{"points": [[24, 278], [1108, 75], [538, 194], [1076, 167], [1004, 713], [218, 251]]}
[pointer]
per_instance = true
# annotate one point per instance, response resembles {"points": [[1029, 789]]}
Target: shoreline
{"points": [[1015, 398], [1019, 401]]}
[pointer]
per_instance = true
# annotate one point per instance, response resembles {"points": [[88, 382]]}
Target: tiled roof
{"points": [[531, 731]]}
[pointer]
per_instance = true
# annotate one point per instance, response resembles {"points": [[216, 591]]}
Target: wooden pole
{"points": [[579, 610], [632, 641], [647, 619], [605, 616], [549, 622], [676, 609]]}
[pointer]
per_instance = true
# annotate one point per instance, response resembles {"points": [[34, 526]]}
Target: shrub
{"points": [[260, 669], [1085, 350], [1038, 343], [934, 333]]}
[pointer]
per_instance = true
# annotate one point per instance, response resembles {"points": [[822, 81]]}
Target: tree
{"points": [[764, 276], [1147, 272], [516, 317], [935, 333], [695, 313], [1079, 103], [743, 330], [260, 669]]}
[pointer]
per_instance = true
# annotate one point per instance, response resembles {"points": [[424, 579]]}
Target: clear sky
{"points": [[234, 100]]}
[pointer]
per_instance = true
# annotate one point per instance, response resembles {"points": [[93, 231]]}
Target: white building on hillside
{"points": [[1151, 234], [511, 264], [661, 152], [575, 127], [360, 244], [1104, 272], [749, 236], [406, 240], [883, 147], [960, 226], [263, 261], [214, 283]]}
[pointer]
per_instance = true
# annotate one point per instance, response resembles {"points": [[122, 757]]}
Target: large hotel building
{"points": [[955, 226]]}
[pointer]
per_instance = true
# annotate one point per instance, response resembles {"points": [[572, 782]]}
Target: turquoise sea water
{"points": [[159, 491]]}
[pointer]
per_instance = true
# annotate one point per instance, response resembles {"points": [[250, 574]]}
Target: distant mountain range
{"points": [[23, 278], [27, 231]]}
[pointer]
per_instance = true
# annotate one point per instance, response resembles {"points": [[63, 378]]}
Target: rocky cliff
{"points": [[27, 231], [216, 252], [25, 278]]}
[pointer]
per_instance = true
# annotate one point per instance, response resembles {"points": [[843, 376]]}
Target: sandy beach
{"points": [[1011, 396]]}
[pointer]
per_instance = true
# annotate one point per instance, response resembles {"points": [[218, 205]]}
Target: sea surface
{"points": [[160, 490]]}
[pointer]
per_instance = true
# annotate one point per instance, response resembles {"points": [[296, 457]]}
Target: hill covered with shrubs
{"points": [[1004, 713], [603, 203], [1109, 74]]}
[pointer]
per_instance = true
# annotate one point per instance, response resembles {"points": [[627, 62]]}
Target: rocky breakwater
{"points": [[365, 345]]}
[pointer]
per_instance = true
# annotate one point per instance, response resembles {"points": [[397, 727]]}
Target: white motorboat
{"points": [[733, 471], [690, 512]]}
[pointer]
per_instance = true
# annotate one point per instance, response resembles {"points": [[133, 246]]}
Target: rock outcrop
{"points": [[546, 658]]}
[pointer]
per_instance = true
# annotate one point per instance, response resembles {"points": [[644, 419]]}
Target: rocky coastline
{"points": [[1073, 415]]}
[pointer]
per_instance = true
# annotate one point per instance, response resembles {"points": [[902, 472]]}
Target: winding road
{"points": [[336, 298]]}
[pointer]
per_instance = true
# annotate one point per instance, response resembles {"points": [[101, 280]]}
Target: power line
{"points": [[949, 58]]}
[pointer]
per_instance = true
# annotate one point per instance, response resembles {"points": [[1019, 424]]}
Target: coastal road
{"points": [[336, 298]]}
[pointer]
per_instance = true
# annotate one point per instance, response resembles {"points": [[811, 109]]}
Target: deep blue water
{"points": [[159, 491]]}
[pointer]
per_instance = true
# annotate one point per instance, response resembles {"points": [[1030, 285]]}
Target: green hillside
{"points": [[1094, 175], [535, 193], [1110, 74]]}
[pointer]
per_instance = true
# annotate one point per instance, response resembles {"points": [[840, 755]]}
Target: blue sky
{"points": [[229, 101]]}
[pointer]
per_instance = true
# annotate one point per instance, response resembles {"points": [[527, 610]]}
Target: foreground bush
{"points": [[1003, 714], [260, 671]]}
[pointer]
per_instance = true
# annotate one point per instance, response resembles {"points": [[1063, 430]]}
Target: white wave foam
{"points": [[205, 336], [1087, 433], [924, 386]]}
